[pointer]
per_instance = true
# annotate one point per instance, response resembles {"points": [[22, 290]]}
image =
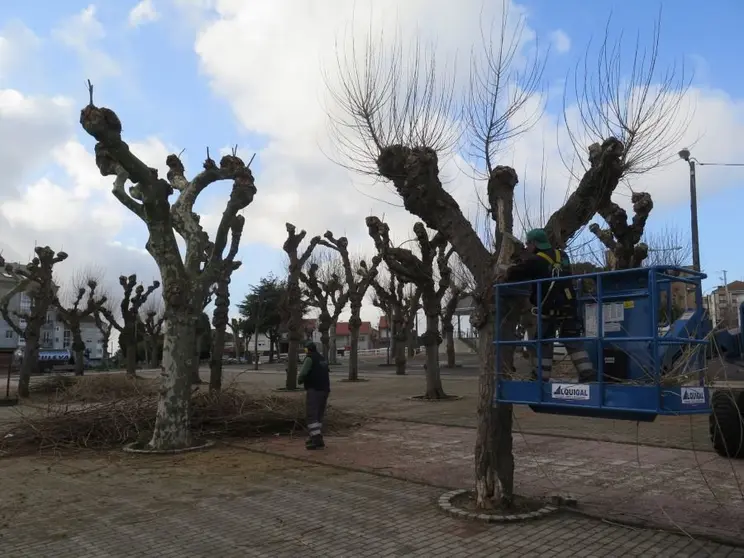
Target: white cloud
{"points": [[17, 44], [144, 12], [84, 33], [561, 41]]}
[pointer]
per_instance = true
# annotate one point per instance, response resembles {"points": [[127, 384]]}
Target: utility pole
{"points": [[685, 156]]}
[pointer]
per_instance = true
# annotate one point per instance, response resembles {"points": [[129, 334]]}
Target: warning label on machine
{"points": [[613, 314], [576, 392], [693, 395]]}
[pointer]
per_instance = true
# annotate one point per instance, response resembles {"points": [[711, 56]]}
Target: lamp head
{"points": [[684, 154]]}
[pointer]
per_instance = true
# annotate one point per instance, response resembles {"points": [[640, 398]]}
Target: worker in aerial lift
{"points": [[559, 307]]}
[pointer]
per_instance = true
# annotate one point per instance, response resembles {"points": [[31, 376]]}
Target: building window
{"points": [[25, 303], [67, 339], [46, 338], [9, 334]]}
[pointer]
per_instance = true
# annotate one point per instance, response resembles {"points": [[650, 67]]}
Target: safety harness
{"points": [[556, 269]]}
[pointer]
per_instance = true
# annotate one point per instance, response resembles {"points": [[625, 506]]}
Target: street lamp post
{"points": [[685, 156]]}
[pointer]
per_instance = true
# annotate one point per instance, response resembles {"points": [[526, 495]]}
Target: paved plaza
{"points": [[373, 491], [232, 503]]}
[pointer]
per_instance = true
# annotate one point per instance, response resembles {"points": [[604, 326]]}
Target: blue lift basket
{"points": [[633, 359]]}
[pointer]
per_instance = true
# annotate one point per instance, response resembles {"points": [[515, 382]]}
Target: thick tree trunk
{"points": [[131, 359], [30, 363], [400, 356], [173, 418], [79, 362], [325, 340], [412, 342], [493, 449], [355, 323], [215, 359], [449, 334], [294, 328], [431, 338], [332, 348], [78, 348]]}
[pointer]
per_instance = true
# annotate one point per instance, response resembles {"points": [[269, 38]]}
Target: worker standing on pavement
{"points": [[316, 379], [559, 307]]}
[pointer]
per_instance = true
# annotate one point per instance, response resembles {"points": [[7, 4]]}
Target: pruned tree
{"points": [[186, 279], [329, 296], [220, 321], [456, 293], [294, 299], [133, 299], [152, 318], [105, 327], [629, 124], [399, 304], [622, 239], [36, 281], [74, 314], [358, 279], [409, 268]]}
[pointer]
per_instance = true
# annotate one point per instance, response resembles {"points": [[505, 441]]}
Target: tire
{"points": [[727, 423]]}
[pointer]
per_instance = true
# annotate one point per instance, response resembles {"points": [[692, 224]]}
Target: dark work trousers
{"points": [[315, 407], [566, 327]]}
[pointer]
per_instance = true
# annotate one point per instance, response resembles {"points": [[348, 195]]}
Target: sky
{"points": [[184, 75]]}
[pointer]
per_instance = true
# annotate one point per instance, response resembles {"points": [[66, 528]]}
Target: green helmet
{"points": [[539, 238]]}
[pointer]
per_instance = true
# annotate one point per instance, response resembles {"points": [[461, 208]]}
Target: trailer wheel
{"points": [[727, 423]]}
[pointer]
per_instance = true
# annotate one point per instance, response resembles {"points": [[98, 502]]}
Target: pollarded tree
{"points": [[36, 281], [75, 313], [220, 321], [631, 123], [186, 278], [294, 300], [399, 305], [131, 303], [409, 268], [455, 294], [623, 239], [329, 296], [152, 324], [358, 279]]}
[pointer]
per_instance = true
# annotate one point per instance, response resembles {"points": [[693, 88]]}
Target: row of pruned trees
{"points": [[84, 299]]}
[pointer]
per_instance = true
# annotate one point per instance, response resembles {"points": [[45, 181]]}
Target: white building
{"points": [[723, 304], [54, 333]]}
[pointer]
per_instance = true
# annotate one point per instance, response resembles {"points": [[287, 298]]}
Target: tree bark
{"points": [[355, 323], [196, 361], [78, 348], [173, 418], [215, 359], [400, 356], [325, 340], [332, 349], [30, 363], [432, 340], [449, 334], [131, 358]]}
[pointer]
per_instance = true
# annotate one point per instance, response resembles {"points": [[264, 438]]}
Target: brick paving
{"points": [[700, 493], [231, 503]]}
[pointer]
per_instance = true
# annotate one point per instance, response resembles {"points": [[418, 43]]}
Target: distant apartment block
{"points": [[54, 333]]}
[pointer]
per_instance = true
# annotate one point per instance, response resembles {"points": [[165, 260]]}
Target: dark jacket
{"points": [[544, 264], [315, 372]]}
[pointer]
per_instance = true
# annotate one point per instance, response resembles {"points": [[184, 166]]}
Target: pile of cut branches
{"points": [[92, 388], [231, 413]]}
